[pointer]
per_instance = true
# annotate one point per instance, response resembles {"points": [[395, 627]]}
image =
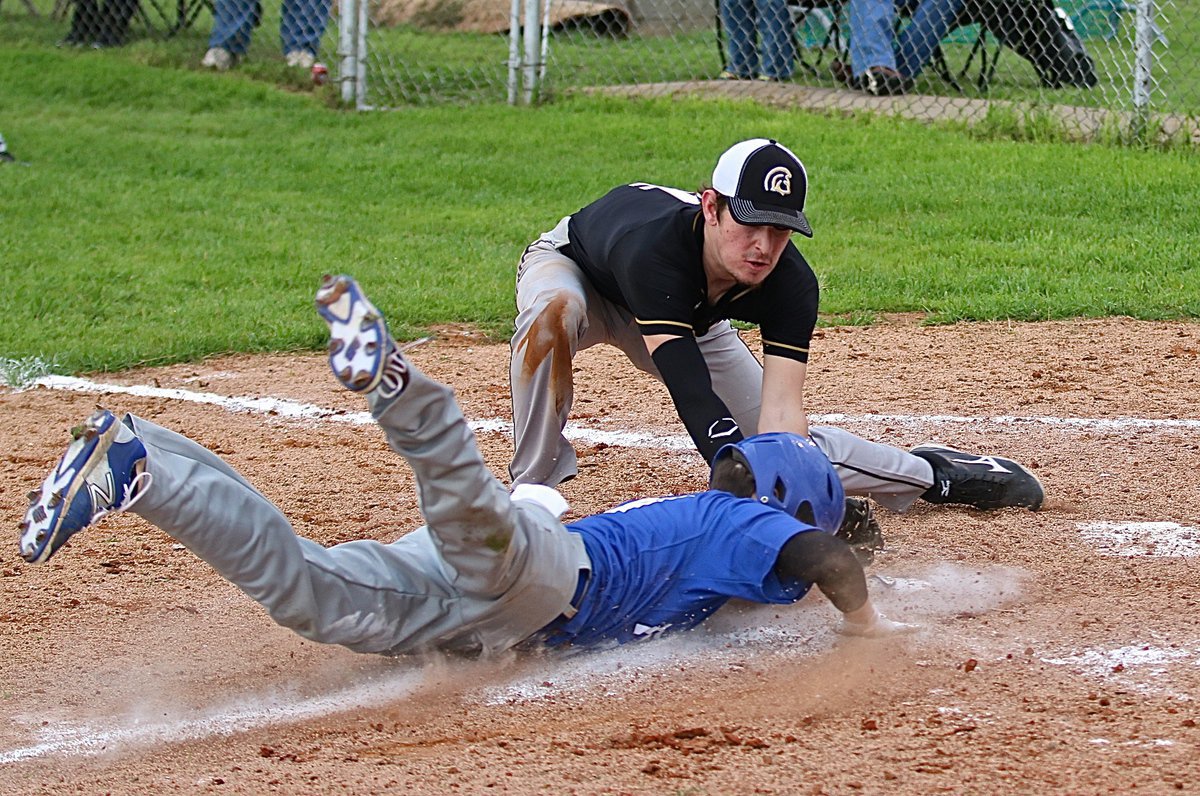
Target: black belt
{"points": [[585, 577], [552, 633]]}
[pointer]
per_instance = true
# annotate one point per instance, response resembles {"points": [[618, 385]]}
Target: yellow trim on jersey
{"points": [[782, 345], [687, 326]]}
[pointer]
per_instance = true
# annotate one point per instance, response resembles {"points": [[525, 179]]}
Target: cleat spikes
{"points": [[33, 495], [359, 340]]}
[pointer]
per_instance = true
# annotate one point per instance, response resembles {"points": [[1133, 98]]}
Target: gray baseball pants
{"points": [[485, 573], [559, 313]]}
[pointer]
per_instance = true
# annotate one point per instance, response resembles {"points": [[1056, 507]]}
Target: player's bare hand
{"points": [[878, 626]]}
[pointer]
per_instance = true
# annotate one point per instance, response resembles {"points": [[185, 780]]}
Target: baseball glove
{"points": [[861, 530]]}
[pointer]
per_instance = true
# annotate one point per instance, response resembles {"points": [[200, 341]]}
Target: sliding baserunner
{"points": [[490, 570]]}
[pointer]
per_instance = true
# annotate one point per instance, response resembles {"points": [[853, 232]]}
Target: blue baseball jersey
{"points": [[665, 564]]}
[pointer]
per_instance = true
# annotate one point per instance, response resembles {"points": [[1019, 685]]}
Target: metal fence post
{"points": [[360, 58], [347, 19], [514, 50], [533, 48], [1144, 30]]}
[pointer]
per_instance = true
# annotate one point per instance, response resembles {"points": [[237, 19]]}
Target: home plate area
{"points": [[1058, 650]]}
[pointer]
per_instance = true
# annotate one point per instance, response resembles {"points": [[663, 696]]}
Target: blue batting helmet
{"points": [[793, 475]]}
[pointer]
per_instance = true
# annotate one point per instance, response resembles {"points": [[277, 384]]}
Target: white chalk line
{"points": [[95, 738], [289, 409], [1135, 539]]}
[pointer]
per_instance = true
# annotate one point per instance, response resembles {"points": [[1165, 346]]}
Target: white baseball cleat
{"points": [[362, 355]]}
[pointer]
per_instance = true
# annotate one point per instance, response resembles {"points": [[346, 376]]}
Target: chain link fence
{"points": [[1095, 65], [218, 34], [1123, 66]]}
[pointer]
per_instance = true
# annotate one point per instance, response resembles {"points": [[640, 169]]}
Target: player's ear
{"points": [[711, 203], [731, 473]]}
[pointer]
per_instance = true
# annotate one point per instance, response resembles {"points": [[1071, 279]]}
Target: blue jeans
{"points": [[873, 41], [769, 22], [300, 28]]}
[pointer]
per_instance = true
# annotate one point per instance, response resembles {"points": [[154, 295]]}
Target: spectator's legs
{"points": [[303, 24], [931, 21], [776, 39], [738, 17], [872, 33], [233, 25], [85, 23], [115, 17]]}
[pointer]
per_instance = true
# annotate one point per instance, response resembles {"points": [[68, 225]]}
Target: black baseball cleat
{"points": [[362, 355], [985, 482], [860, 529]]}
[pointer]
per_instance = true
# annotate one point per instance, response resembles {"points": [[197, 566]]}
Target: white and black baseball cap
{"points": [[765, 183]]}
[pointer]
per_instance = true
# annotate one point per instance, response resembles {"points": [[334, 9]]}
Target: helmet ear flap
{"points": [[731, 473]]}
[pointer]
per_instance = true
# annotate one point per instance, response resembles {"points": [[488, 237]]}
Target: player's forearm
{"points": [[791, 418], [827, 562], [783, 396], [704, 414]]}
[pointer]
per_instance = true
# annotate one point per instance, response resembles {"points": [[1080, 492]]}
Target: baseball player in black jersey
{"points": [[659, 273]]}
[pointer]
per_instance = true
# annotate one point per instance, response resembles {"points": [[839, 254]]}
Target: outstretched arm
{"points": [[829, 563], [783, 396], [684, 371]]}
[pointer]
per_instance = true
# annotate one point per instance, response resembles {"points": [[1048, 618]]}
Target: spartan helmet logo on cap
{"points": [[765, 183], [778, 180]]}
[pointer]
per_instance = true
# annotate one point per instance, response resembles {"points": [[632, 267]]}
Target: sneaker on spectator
{"points": [[727, 75], [217, 58], [301, 58], [883, 81]]}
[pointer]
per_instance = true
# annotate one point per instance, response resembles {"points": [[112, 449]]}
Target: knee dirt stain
{"points": [[548, 337]]}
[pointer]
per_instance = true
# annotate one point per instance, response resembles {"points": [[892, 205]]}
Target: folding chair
{"points": [[167, 22], [1038, 31], [818, 26]]}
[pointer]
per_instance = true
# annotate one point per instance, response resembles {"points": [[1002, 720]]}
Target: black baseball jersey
{"points": [[641, 246]]}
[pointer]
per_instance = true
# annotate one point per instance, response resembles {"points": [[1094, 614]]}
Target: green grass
{"points": [[164, 214]]}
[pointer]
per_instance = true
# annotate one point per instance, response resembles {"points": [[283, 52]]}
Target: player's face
{"points": [[747, 254]]}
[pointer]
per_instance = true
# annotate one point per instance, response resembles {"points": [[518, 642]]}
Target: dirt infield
{"points": [[1059, 651]]}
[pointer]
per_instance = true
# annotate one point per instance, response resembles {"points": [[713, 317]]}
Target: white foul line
{"points": [[282, 407], [90, 739]]}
